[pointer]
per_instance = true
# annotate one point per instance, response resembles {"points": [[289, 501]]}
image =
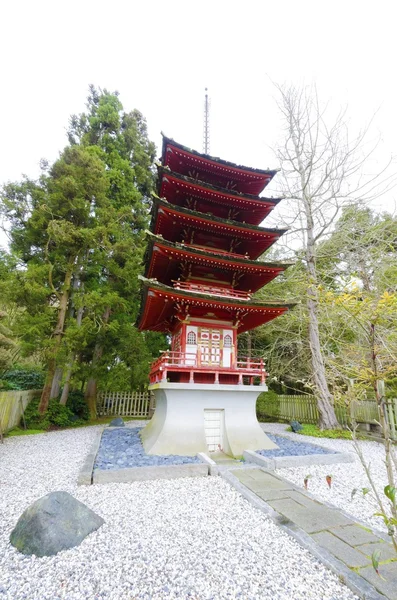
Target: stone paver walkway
{"points": [[342, 537]]}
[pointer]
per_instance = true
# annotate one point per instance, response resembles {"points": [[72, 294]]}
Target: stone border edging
{"points": [[146, 473], [352, 580], [88, 475], [87, 470], [212, 466], [283, 462]]}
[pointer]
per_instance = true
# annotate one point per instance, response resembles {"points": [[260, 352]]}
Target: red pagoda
{"points": [[201, 272]]}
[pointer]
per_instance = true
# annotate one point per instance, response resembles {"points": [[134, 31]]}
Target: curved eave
{"points": [[182, 191], [232, 195], [259, 272], [255, 179], [160, 304], [202, 217]]}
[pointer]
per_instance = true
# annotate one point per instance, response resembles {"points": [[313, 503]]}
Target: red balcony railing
{"points": [[200, 288], [218, 251], [185, 367]]}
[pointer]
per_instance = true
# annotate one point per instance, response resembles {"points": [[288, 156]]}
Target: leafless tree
{"points": [[322, 170]]}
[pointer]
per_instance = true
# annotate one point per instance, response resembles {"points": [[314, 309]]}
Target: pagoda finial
{"points": [[206, 137]]}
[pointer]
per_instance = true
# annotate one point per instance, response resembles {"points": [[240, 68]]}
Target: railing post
{"points": [[262, 369]]}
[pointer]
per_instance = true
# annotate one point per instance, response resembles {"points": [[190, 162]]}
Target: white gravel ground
{"points": [[186, 538], [345, 477]]}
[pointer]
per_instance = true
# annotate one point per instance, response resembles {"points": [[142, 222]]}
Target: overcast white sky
{"points": [[160, 55]]}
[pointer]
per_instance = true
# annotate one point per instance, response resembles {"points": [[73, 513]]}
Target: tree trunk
{"points": [[327, 419], [56, 383], [91, 389], [69, 369], [325, 405], [57, 334]]}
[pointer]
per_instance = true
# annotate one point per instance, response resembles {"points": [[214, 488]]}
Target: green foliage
{"points": [[56, 416], [17, 432], [6, 385], [77, 245], [263, 399], [78, 405], [314, 431], [59, 415], [7, 345], [24, 379]]}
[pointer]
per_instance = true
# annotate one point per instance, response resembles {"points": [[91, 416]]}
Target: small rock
{"points": [[296, 426], [117, 422], [53, 523]]}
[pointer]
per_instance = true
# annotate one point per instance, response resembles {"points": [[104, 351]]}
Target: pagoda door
{"points": [[210, 346]]}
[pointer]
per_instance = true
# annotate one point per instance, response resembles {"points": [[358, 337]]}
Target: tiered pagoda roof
{"points": [[189, 193], [164, 307], [168, 262], [214, 171], [201, 261], [182, 224]]}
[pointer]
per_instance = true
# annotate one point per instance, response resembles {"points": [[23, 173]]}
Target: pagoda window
{"points": [[227, 341], [191, 338]]}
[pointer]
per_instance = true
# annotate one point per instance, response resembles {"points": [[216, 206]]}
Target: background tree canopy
{"points": [[76, 249]]}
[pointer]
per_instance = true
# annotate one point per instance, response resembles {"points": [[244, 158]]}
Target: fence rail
{"points": [[12, 406], [304, 409], [125, 404]]}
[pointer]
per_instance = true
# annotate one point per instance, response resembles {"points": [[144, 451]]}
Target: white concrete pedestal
{"points": [[178, 424]]}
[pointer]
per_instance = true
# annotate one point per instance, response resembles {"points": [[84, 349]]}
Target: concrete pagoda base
{"points": [[192, 418]]}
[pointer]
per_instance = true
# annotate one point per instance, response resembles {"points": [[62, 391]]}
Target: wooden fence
{"points": [[125, 404], [304, 409], [12, 406]]}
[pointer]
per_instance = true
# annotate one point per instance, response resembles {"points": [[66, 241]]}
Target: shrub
{"points": [[261, 405], [33, 419], [5, 385], [78, 405], [57, 415], [60, 415], [23, 379], [314, 431]]}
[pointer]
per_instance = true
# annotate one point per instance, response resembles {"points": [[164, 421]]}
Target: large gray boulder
{"points": [[53, 523]]}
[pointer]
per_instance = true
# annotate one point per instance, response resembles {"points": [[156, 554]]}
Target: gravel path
{"points": [[180, 539], [345, 477]]}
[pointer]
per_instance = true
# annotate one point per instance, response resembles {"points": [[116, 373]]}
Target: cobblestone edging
{"points": [[89, 474], [147, 473], [282, 462], [340, 543], [212, 466], [86, 471]]}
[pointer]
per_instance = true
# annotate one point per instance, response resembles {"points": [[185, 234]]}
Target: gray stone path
{"points": [[344, 539]]}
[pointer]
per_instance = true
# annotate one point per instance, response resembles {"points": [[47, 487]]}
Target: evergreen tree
{"points": [[121, 142], [7, 344], [78, 234]]}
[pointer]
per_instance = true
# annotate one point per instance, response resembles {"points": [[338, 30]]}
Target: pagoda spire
{"points": [[206, 136]]}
